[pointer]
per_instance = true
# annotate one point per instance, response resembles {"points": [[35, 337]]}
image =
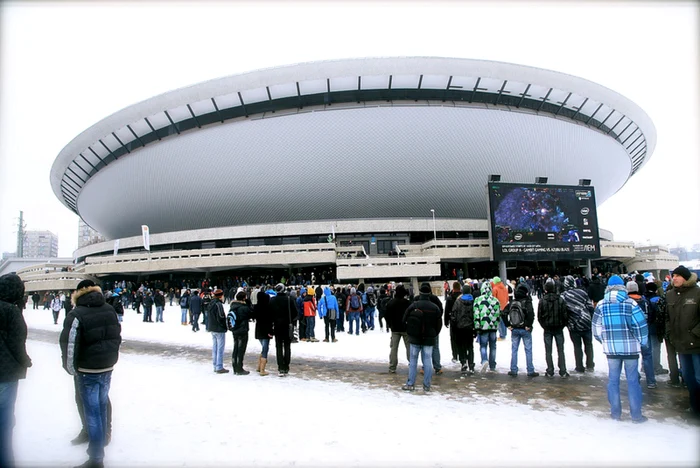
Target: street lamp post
{"points": [[434, 230]]}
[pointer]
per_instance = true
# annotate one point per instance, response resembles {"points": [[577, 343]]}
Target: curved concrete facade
{"points": [[351, 139]]}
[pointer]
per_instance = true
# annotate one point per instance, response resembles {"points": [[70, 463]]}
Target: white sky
{"points": [[65, 67]]}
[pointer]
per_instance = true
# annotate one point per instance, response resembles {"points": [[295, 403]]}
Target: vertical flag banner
{"points": [[146, 237], [116, 247]]}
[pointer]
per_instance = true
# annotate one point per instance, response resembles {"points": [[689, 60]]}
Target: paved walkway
{"points": [[579, 392]]}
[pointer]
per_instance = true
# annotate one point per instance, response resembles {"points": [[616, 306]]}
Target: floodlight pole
{"points": [[434, 230]]}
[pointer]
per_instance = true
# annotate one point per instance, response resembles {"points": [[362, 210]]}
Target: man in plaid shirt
{"points": [[619, 324]]}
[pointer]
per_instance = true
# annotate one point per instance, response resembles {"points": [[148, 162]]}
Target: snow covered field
{"points": [[172, 412]]}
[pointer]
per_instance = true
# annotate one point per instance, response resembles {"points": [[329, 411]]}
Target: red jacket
{"points": [[309, 306]]}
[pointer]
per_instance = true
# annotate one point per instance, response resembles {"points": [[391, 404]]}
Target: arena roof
{"points": [[393, 98]]}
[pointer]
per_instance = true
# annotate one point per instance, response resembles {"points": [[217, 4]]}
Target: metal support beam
{"points": [[120, 142], [152, 129], [98, 158], [108, 150], [594, 113], [171, 122], [524, 95], [563, 104], [613, 127], [135, 135], [579, 108], [218, 112], [194, 116], [245, 111], [546, 98]]}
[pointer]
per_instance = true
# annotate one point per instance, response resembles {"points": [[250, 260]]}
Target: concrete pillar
{"points": [[588, 270], [465, 268], [502, 271], [415, 285]]}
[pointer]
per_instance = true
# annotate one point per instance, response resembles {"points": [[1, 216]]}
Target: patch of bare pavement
{"points": [[582, 392]]}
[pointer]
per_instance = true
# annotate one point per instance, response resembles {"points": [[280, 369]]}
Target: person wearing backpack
{"points": [[395, 310], [462, 326], [216, 325], [371, 307], [580, 312], [237, 321], [423, 323], [206, 301], [651, 294], [384, 299], [552, 316], [340, 297], [647, 360], [328, 311], [487, 312], [519, 317], [353, 308]]}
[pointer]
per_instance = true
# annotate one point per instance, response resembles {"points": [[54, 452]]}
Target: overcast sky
{"points": [[64, 67]]}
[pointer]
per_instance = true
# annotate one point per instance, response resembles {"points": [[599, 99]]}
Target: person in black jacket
{"points": [[14, 360], [596, 290], [521, 331], [340, 297], [552, 314], [423, 321], [238, 318], [90, 342], [437, 367], [282, 310], [159, 302], [216, 325], [449, 303], [263, 328], [395, 310], [148, 307]]}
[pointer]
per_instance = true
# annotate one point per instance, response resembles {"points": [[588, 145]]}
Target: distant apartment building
{"points": [[40, 244], [87, 235]]}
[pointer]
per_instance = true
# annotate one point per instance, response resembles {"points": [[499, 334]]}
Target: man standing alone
{"points": [[90, 343]]}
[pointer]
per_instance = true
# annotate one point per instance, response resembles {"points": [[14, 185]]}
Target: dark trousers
{"points": [[195, 321], [581, 340], [673, 374], [690, 363], [453, 342], [284, 351], [81, 408], [558, 336], [240, 343], [341, 321], [35, 304], [464, 342], [329, 324], [55, 315]]}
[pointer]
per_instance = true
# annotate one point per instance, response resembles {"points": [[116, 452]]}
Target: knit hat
{"points": [[219, 292], [425, 288], [615, 280], [496, 280], [86, 283], [279, 288], [370, 289], [652, 287], [353, 291], [549, 285], [310, 290], [683, 272], [632, 287]]}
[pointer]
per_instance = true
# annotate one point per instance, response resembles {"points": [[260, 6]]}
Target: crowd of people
{"points": [[629, 316]]}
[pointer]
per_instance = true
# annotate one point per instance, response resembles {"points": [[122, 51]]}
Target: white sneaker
{"points": [[484, 366]]}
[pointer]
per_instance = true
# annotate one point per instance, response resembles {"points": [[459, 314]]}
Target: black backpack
{"points": [[516, 314], [462, 314]]}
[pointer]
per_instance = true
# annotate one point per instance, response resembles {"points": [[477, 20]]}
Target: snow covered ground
{"points": [[173, 412]]}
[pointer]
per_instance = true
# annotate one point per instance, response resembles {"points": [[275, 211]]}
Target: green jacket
{"points": [[683, 316]]}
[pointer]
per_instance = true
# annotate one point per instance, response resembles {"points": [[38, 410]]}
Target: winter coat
{"points": [[91, 334], [216, 317], [309, 305], [522, 295], [552, 313], [340, 297], [619, 324], [262, 316], [148, 301], [281, 307], [395, 310], [487, 310], [195, 304], [159, 300], [462, 305], [56, 305], [326, 303], [14, 360], [423, 321], [349, 309], [449, 304], [116, 303], [596, 290], [683, 316], [243, 316], [580, 310], [500, 292]]}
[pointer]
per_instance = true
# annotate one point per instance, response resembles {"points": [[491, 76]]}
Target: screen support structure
{"points": [[502, 271]]}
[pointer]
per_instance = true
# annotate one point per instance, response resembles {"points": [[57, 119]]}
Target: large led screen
{"points": [[543, 222]]}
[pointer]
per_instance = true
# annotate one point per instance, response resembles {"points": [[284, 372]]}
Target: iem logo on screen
{"points": [[585, 211]]}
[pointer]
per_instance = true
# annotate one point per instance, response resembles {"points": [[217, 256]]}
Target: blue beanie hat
{"points": [[615, 280]]}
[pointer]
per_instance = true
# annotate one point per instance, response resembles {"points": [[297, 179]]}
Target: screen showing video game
{"points": [[543, 222]]}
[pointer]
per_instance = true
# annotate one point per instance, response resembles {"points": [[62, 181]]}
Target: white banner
{"points": [[116, 247], [364, 251], [146, 237], [333, 230]]}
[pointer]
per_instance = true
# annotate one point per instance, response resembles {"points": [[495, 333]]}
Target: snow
{"points": [[173, 412]]}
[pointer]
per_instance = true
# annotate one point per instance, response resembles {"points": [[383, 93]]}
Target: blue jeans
{"points": [[183, 316], [310, 325], [120, 318], [159, 314], [8, 397], [94, 390], [370, 316], [436, 354], [502, 329], [516, 334], [427, 357], [690, 363], [648, 363], [354, 317], [634, 390], [217, 351], [265, 347], [488, 338]]}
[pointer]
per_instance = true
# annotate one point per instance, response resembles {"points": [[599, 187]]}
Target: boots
{"points": [[259, 364], [263, 363], [82, 438]]}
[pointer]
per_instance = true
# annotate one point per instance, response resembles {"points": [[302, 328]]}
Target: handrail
{"points": [[386, 261]]}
